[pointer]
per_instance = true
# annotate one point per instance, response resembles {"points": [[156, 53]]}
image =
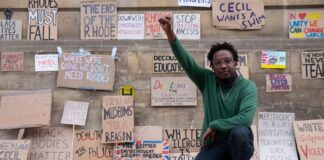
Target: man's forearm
{"points": [[171, 36]]}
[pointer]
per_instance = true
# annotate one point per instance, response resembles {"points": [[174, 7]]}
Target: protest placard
{"points": [[312, 64], [186, 26], [278, 82], [75, 113], [306, 24], [14, 149], [194, 3], [10, 29], [255, 143], [273, 59], [166, 63], [183, 156], [184, 141], [46, 62], [148, 133], [12, 61], [152, 29], [130, 26]]}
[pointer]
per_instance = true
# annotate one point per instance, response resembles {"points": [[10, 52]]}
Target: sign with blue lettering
{"points": [[278, 82], [306, 24]]}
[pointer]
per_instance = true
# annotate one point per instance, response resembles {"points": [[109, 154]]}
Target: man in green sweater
{"points": [[230, 100]]}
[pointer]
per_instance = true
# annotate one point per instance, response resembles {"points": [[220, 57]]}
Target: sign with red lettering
{"points": [[165, 63], [243, 14], [310, 139], [130, 26], [278, 82], [98, 19], [42, 20], [12, 61], [152, 27], [117, 119], [75, 113], [184, 141], [94, 72], [306, 24], [10, 29], [87, 146], [173, 91], [186, 26], [46, 62], [14, 149], [312, 65]]}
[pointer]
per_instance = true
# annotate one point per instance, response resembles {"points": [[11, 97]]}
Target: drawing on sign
{"points": [[12, 61], [184, 141], [244, 14], [118, 119], [75, 113], [42, 20], [278, 82], [276, 136], [166, 64], [194, 3], [312, 65], [186, 26], [148, 133], [152, 27], [46, 62], [130, 26], [14, 149], [273, 59], [306, 24], [98, 20]]}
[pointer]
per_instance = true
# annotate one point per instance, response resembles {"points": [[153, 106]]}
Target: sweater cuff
{"points": [[213, 125]]}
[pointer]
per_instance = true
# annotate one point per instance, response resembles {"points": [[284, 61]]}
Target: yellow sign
{"points": [[127, 90]]}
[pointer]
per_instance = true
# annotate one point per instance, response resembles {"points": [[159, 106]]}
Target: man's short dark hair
{"points": [[222, 46]]}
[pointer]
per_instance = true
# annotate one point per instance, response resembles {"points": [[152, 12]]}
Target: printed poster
{"points": [[153, 30], [130, 26], [46, 62], [186, 26], [278, 82], [75, 113], [273, 59], [204, 3], [12, 61], [10, 30], [306, 24], [312, 65]]}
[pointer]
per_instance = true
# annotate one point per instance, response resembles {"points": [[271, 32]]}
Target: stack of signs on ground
{"points": [[75, 113], [87, 146], [46, 62], [310, 139], [184, 143], [12, 61], [142, 150], [130, 26], [14, 149], [273, 59], [95, 72], [50, 143], [98, 20], [28, 109], [306, 24], [166, 63], [42, 20], [312, 65], [153, 29], [10, 29], [243, 14], [278, 82], [173, 91], [186, 26], [117, 119], [276, 136]]}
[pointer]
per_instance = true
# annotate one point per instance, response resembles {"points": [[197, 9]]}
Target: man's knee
{"points": [[241, 134]]}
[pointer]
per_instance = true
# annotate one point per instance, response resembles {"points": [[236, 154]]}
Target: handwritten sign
{"points": [[46, 62], [166, 64], [184, 141], [173, 91], [255, 144], [306, 24], [273, 59], [186, 156], [98, 20], [278, 82], [148, 133], [310, 139], [130, 26], [87, 146], [10, 29], [86, 71], [276, 136], [12, 61], [75, 113], [29, 109], [186, 26], [14, 149], [152, 29], [53, 143], [143, 150], [203, 3], [312, 65], [243, 14], [118, 119], [42, 20]]}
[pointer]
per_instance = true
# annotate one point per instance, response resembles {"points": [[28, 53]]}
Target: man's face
{"points": [[224, 64]]}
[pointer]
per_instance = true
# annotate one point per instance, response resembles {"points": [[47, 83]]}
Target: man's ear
{"points": [[235, 63]]}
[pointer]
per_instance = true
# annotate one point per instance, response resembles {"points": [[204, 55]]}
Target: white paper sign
{"points": [[130, 26], [75, 113], [10, 29], [46, 62], [186, 26], [194, 3]]}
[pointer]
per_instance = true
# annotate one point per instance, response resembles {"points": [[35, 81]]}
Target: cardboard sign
{"points": [[306, 24], [10, 29], [95, 72], [42, 19], [205, 3], [142, 150], [173, 91], [243, 14], [184, 141], [75, 113], [186, 26], [127, 91], [310, 139], [255, 143], [312, 65], [25, 110], [276, 136], [117, 119], [148, 133], [98, 20], [166, 64], [130, 26], [185, 156], [12, 61], [87, 146], [53, 143], [153, 30], [46, 62], [14, 149], [278, 82], [273, 59]]}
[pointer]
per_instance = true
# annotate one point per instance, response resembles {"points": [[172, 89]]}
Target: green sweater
{"points": [[220, 114]]}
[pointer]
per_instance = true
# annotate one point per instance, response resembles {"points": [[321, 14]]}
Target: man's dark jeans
{"points": [[238, 146]]}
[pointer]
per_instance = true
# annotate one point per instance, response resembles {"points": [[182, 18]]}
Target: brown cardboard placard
{"points": [[278, 82], [152, 28], [12, 61], [14, 149], [183, 156], [10, 29], [312, 65], [184, 140], [148, 133]]}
